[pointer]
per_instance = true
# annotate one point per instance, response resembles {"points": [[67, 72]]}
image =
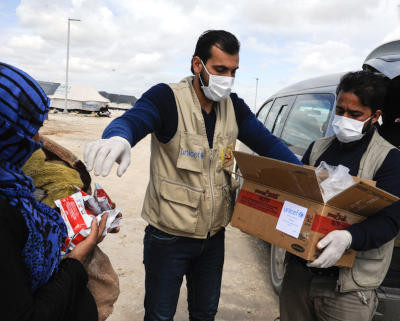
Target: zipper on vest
{"points": [[200, 190], [211, 189]]}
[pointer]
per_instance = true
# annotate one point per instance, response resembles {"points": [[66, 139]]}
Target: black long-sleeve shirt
{"points": [[64, 297], [380, 228], [156, 112]]}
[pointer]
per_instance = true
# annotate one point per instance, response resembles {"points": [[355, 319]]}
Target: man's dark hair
{"points": [[224, 40], [368, 86]]}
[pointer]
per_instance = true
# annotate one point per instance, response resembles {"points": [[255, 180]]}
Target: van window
{"points": [[277, 114], [264, 111], [307, 121]]}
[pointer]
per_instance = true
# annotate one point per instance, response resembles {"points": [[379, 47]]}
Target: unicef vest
{"points": [[190, 189], [370, 267]]}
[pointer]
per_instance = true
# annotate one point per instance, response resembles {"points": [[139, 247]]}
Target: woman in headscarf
{"points": [[36, 285]]}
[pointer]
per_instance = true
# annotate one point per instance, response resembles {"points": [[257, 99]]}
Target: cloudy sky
{"points": [[126, 46]]}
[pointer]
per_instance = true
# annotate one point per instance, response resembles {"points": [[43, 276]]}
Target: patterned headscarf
{"points": [[23, 108]]}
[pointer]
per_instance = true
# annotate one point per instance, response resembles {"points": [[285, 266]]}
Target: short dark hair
{"points": [[224, 40], [368, 86]]}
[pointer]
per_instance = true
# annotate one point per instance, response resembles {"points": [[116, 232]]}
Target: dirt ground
{"points": [[246, 291]]}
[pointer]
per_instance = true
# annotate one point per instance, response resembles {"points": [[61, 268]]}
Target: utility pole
{"points": [[66, 71]]}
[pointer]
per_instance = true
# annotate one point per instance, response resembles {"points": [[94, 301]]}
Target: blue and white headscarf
{"points": [[23, 108]]}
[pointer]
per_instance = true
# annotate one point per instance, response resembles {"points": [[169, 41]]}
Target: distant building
{"points": [[84, 97], [80, 97], [49, 87], [122, 102]]}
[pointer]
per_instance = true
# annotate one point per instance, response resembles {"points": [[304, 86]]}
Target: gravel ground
{"points": [[246, 291]]}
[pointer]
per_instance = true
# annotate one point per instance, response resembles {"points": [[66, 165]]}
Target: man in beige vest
{"points": [[320, 290], [189, 198]]}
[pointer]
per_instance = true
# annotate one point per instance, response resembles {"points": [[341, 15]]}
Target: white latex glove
{"points": [[102, 153], [335, 243]]}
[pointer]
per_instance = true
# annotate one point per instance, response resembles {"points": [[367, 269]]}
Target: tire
{"points": [[277, 267]]}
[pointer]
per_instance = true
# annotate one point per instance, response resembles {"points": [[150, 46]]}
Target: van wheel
{"points": [[277, 267]]}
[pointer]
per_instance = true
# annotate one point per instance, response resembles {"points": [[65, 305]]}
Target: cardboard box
{"points": [[282, 204]]}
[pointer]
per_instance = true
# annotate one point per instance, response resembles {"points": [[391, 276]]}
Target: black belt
{"points": [[329, 272], [332, 271]]}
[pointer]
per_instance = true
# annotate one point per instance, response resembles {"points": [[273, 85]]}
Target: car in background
{"points": [[298, 115]]}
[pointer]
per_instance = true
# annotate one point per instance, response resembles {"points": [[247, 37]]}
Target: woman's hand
{"points": [[82, 251]]}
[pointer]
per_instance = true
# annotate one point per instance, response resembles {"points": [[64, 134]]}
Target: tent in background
{"points": [[49, 87], [80, 97], [117, 101]]}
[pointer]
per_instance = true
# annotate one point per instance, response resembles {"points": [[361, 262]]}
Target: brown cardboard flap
{"points": [[284, 176], [366, 181], [363, 199]]}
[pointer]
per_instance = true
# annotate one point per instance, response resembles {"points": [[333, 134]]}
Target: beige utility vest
{"points": [[189, 192], [370, 267]]}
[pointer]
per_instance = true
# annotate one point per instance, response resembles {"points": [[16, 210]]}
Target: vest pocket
{"points": [[224, 203], [229, 196], [373, 254], [191, 152], [179, 206], [370, 266]]}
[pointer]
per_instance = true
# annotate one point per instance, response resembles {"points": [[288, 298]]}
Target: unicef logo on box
{"points": [[294, 212], [291, 219]]}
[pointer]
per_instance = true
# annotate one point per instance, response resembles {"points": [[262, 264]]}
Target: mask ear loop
{"points": [[371, 124], [369, 118], [202, 83]]}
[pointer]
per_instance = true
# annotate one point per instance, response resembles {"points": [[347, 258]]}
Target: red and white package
{"points": [[73, 212], [79, 209], [102, 198], [91, 205]]}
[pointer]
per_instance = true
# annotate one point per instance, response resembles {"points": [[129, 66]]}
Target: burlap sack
{"points": [[103, 282]]}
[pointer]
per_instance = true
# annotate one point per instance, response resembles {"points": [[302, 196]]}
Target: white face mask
{"points": [[347, 129], [219, 87]]}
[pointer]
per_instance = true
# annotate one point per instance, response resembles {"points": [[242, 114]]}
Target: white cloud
{"points": [[254, 43], [145, 62], [327, 57], [27, 42], [394, 35], [128, 45]]}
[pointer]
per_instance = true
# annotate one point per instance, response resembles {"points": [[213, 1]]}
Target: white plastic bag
{"points": [[333, 179]]}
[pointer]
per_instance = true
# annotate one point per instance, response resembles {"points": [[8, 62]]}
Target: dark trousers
{"points": [[308, 296], [167, 258]]}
